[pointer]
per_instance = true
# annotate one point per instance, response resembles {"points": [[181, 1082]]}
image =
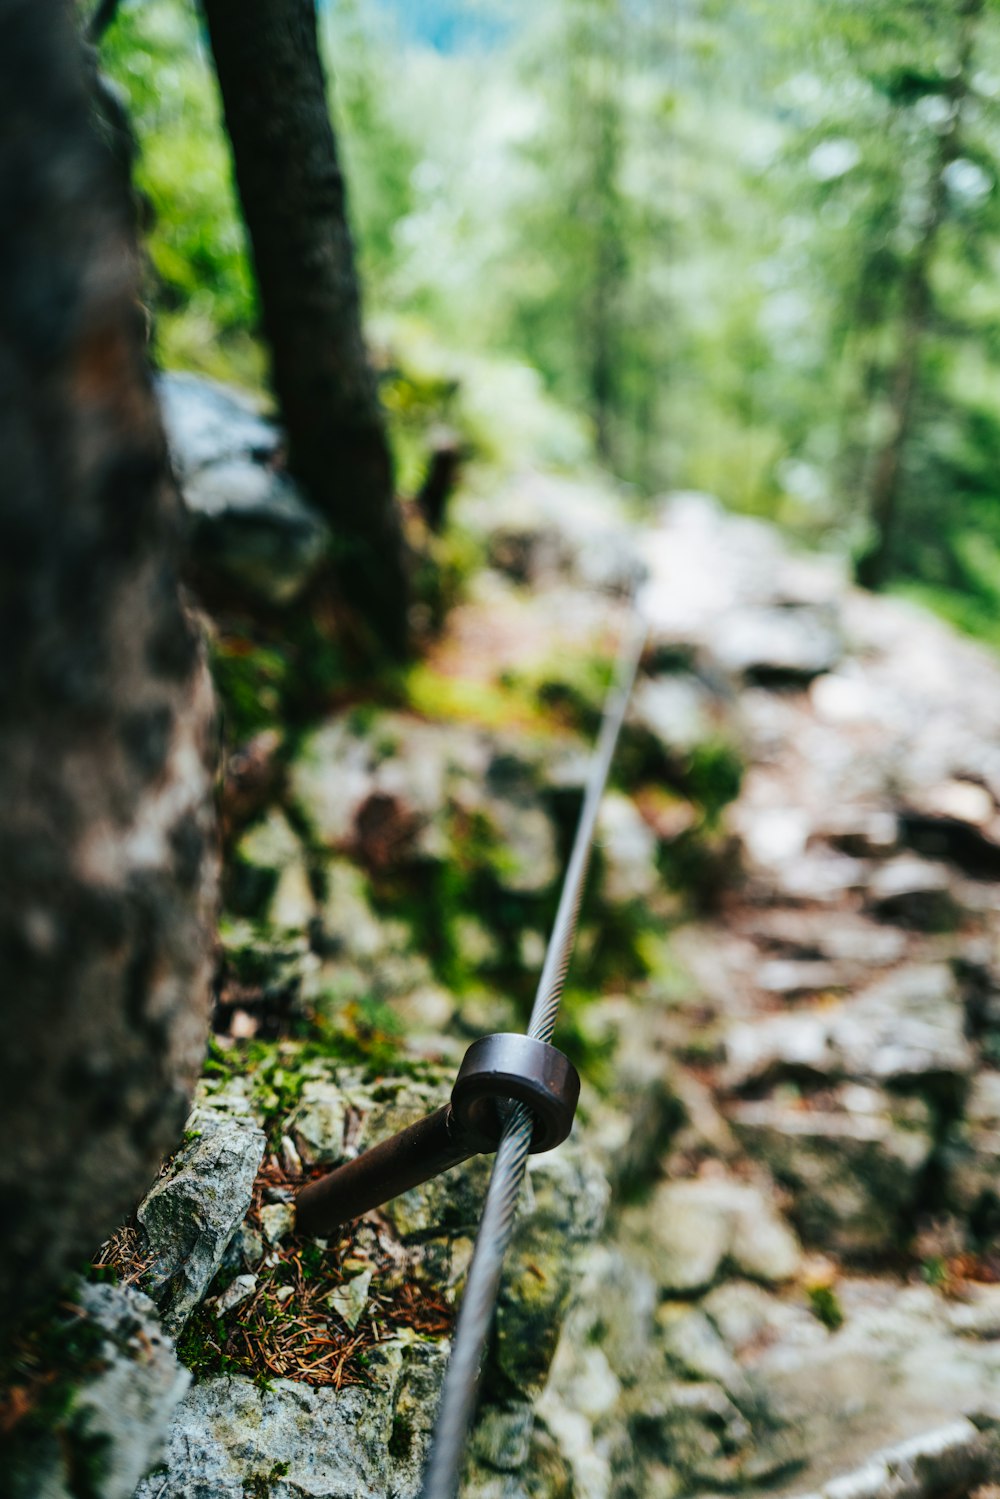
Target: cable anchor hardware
{"points": [[497, 1072]]}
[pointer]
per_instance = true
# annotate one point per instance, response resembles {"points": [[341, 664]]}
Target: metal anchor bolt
{"points": [[495, 1072]]}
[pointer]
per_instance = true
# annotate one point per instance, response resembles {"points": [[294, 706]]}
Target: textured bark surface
{"points": [[292, 191], [106, 720]]}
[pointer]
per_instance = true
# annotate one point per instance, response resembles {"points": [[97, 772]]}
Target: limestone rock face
{"points": [[364, 1442], [116, 1417], [249, 524], [854, 1165], [700, 1225], [191, 1213]]}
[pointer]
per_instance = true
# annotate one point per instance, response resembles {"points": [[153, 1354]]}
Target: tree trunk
{"points": [[292, 192], [873, 567], [107, 862]]}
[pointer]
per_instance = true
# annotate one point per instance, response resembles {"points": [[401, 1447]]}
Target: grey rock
{"points": [[269, 875], [909, 1025], [698, 1227], [318, 1122], [628, 850], [250, 525], [864, 833], [973, 1152], [677, 711], [502, 1437], [234, 1295], [192, 1212], [895, 1373], [776, 646], [115, 1421], [695, 1350], [277, 1220], [208, 422], [248, 520], [913, 893], [793, 978], [698, 1431], [855, 1170], [350, 1299], [564, 1210], [954, 1458], [904, 1028], [362, 1442]]}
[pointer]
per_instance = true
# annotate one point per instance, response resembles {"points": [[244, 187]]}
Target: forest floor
{"points": [[766, 1259]]}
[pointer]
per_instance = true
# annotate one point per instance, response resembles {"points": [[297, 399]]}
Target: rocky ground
{"points": [[765, 1259]]}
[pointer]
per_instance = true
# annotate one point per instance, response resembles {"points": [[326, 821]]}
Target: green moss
{"points": [[401, 1437], [261, 1485], [825, 1304], [714, 776], [201, 1345], [491, 704], [252, 682]]}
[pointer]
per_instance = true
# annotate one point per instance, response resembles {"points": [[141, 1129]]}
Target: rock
{"points": [[350, 926], [854, 1165], [251, 527], [502, 1436], [905, 1029], [192, 1212], [696, 1430], [350, 1300], [563, 1211], [628, 851], [234, 1295], [894, 1374], [318, 1122], [695, 1350], [913, 893], [863, 833], [246, 1249], [248, 521], [112, 1425], [381, 789], [278, 1221], [676, 711], [208, 422], [749, 1318], [792, 978], [476, 945], [268, 875], [839, 937], [528, 860], [951, 1459], [699, 1227], [777, 647], [231, 1437]]}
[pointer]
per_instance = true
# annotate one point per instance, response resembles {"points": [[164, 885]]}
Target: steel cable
{"points": [[461, 1382]]}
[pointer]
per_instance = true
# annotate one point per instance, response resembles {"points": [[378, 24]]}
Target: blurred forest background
{"points": [[756, 247]]}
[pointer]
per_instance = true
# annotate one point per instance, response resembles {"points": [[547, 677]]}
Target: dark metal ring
{"points": [[509, 1066]]}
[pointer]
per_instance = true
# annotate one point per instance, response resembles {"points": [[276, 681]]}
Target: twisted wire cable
{"points": [[461, 1382]]}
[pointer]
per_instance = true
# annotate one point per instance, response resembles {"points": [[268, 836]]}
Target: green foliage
{"points": [[203, 289], [825, 1305], [702, 227]]}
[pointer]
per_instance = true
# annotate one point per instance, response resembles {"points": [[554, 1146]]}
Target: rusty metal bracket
{"points": [[496, 1072]]}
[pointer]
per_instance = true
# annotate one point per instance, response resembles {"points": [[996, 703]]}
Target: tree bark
{"points": [[107, 862], [873, 567], [292, 191]]}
